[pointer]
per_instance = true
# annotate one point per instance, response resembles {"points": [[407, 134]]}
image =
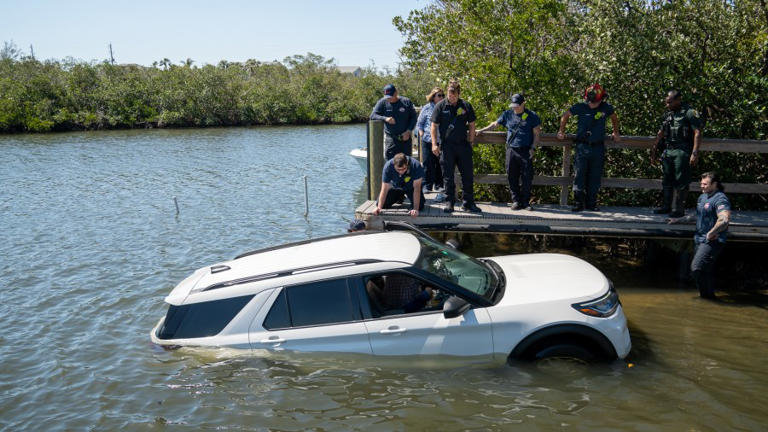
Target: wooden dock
{"points": [[553, 219], [557, 219]]}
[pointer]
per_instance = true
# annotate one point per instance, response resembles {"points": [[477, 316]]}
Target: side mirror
{"points": [[455, 306], [453, 243]]}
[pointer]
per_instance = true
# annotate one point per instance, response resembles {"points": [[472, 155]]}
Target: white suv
{"points": [[317, 295]]}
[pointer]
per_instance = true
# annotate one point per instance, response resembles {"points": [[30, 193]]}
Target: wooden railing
{"points": [[565, 180]]}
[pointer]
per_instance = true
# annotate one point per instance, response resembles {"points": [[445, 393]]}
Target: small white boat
{"points": [[361, 156]]}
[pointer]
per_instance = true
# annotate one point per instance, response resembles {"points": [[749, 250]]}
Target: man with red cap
{"points": [[590, 145]]}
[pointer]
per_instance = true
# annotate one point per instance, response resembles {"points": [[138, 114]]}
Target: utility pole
{"points": [[111, 57]]}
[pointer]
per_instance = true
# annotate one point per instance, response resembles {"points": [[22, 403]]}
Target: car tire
{"points": [[565, 351]]}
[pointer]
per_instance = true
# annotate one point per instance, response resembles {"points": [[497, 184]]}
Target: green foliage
{"points": [[70, 95], [716, 52]]}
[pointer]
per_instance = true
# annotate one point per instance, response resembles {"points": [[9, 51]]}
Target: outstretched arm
{"points": [[563, 122]]}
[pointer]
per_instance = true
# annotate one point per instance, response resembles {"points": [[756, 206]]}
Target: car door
{"points": [[428, 332], [312, 317], [432, 333]]}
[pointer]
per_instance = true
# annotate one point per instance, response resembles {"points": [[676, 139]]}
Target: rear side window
{"points": [[278, 314], [200, 319], [317, 303]]}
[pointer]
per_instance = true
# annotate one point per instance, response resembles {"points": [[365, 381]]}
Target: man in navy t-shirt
{"points": [[713, 214], [590, 146], [399, 119], [402, 176], [523, 130]]}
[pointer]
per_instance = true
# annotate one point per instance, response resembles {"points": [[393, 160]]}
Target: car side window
{"points": [[316, 303], [397, 293], [278, 316]]}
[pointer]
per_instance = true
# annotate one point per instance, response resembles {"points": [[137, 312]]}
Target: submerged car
{"points": [[315, 296]]}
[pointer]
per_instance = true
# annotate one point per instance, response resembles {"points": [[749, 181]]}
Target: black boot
{"points": [[678, 202], [666, 201], [578, 198]]}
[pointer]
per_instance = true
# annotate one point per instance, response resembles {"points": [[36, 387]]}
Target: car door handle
{"points": [[273, 340], [393, 330]]}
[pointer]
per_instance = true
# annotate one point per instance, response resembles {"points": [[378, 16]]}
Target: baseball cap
{"points": [[389, 90], [356, 225], [517, 100]]}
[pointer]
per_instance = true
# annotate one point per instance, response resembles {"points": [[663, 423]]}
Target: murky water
{"points": [[91, 244]]}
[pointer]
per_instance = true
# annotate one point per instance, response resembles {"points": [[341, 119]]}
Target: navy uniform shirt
{"points": [[405, 181], [707, 210], [402, 111], [459, 115], [591, 125], [519, 127]]}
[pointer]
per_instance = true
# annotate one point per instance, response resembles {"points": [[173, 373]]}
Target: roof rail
{"points": [[405, 226], [297, 270]]}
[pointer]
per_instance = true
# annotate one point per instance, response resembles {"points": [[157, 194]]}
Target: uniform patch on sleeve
{"points": [[720, 207]]}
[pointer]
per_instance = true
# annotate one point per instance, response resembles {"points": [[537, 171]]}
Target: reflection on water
{"points": [[91, 245]]}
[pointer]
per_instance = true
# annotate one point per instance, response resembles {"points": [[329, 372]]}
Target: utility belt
{"points": [[686, 147]]}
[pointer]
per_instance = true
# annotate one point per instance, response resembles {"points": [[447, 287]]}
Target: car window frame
{"points": [[353, 296], [366, 309]]}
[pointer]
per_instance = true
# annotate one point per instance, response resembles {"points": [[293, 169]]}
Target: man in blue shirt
{"points": [[523, 130], [399, 119], [433, 175], [713, 214], [590, 146], [402, 176]]}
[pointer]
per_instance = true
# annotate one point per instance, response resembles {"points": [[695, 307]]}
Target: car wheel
{"points": [[565, 351], [563, 360]]}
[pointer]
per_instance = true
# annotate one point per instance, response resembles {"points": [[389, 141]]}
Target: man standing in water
{"points": [[399, 119], [590, 145], [678, 139], [454, 120], [523, 130], [713, 214]]}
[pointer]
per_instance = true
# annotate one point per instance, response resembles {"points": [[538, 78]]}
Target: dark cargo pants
{"points": [[519, 174], [588, 165], [393, 146], [458, 155]]}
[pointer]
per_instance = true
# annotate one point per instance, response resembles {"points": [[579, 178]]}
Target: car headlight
{"points": [[602, 307]]}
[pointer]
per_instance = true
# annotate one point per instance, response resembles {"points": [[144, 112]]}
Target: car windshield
{"points": [[456, 267]]}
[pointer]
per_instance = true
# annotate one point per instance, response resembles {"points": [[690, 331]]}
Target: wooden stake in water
{"points": [[175, 201], [306, 198]]}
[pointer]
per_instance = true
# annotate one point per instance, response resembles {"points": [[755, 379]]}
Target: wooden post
{"points": [[564, 189], [375, 157]]}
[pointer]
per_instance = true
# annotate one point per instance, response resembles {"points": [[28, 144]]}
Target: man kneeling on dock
{"points": [[402, 176]]}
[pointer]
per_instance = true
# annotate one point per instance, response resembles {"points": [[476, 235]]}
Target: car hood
{"points": [[535, 278]]}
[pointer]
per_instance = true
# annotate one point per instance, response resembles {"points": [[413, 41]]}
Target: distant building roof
{"points": [[354, 70]]}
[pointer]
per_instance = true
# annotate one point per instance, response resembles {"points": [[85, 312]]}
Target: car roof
{"points": [[399, 246]]}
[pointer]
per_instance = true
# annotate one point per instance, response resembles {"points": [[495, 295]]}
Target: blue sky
{"points": [[352, 32]]}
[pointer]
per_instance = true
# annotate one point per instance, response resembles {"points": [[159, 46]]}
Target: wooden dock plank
{"points": [[559, 220]]}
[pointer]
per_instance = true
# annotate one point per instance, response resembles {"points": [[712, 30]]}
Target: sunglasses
{"points": [[440, 95]]}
